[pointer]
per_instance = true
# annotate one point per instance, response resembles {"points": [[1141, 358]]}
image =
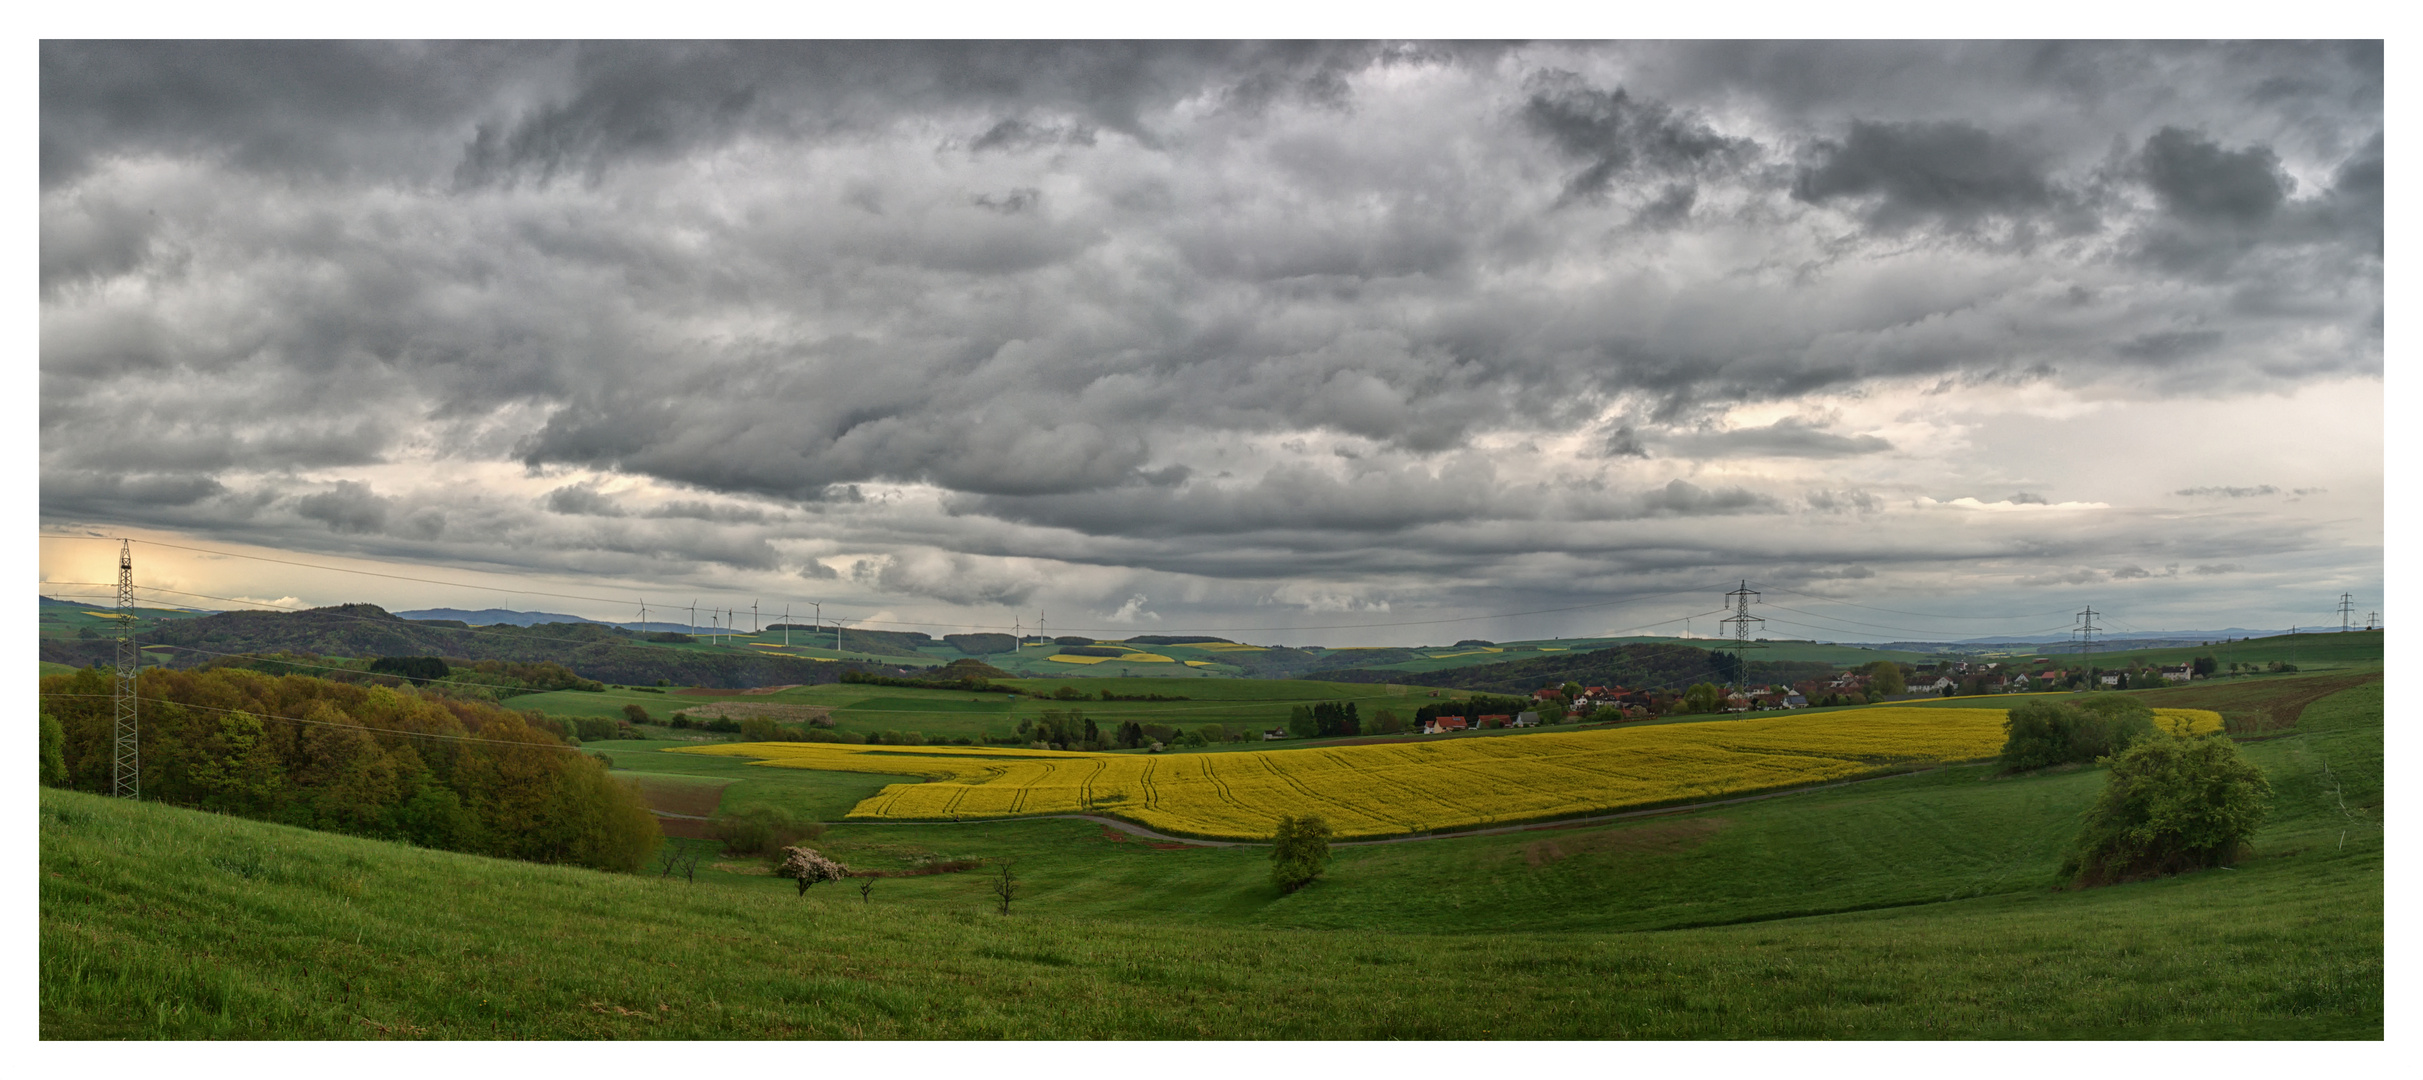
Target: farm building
{"points": [[1438, 724]]}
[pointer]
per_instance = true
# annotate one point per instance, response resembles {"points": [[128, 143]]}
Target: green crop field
{"points": [[1915, 906], [862, 708]]}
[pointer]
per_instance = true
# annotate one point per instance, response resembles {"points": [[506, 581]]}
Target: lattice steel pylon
{"points": [[127, 758], [2086, 631], [1740, 621], [2347, 612]]}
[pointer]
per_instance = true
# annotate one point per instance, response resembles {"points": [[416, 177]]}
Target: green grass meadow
{"points": [[1913, 906]]}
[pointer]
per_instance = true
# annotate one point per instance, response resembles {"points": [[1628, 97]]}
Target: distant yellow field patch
{"points": [[1059, 659], [1146, 658], [1200, 663], [1415, 786]]}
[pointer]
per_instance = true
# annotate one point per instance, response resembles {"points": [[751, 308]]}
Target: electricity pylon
{"points": [[1741, 620], [126, 772]]}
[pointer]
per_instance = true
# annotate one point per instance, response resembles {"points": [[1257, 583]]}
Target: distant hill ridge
{"points": [[493, 617], [594, 650], [1640, 667]]}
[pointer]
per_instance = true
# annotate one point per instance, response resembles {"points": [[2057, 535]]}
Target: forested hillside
{"points": [[596, 651], [372, 761]]}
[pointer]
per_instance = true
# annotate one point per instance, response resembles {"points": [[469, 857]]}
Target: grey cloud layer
{"points": [[1071, 285]]}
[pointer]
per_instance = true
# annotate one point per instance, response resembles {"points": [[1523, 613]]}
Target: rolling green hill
{"points": [[1916, 906]]}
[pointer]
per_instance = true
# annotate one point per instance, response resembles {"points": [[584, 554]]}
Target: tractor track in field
{"points": [[1133, 829]]}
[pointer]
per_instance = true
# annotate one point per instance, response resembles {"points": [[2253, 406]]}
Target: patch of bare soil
{"points": [[772, 689], [2266, 705], [1655, 838], [742, 710]]}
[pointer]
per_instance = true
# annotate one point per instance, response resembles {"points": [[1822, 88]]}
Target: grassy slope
{"points": [[160, 922]]}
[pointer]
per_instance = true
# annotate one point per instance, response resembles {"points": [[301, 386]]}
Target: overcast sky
{"points": [[1305, 343]]}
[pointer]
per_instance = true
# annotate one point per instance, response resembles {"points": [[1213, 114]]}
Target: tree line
{"points": [[385, 762]]}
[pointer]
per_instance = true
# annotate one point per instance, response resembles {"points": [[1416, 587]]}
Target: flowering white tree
{"points": [[807, 867]]}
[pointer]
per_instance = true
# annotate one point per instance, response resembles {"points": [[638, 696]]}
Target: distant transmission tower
{"points": [[2086, 631], [2372, 621], [127, 769], [1739, 599], [2347, 612]]}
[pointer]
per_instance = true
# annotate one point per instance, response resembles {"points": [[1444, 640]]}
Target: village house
{"points": [[1936, 685], [1524, 719], [1437, 724], [2182, 673], [1497, 720], [1274, 733]]}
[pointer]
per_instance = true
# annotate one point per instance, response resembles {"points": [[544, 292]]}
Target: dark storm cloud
{"points": [[1948, 170], [350, 507], [1616, 133], [1082, 296], [2199, 181]]}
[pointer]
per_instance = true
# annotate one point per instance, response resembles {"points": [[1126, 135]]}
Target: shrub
{"points": [[807, 866], [1299, 852], [2040, 733], [761, 830], [636, 713], [2172, 804]]}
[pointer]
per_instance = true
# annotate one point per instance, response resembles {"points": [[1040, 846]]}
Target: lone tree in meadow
{"points": [[1005, 885], [1299, 852], [807, 866], [2173, 803]]}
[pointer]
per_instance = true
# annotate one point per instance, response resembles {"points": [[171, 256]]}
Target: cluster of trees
{"points": [[2172, 803], [1476, 705], [385, 762], [1130, 735], [1062, 729], [974, 676], [1331, 719], [2039, 732]]}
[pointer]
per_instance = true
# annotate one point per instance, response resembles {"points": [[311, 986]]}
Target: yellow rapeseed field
{"points": [[1402, 787]]}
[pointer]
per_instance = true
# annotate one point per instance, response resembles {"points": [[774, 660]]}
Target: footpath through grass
{"points": [[159, 922]]}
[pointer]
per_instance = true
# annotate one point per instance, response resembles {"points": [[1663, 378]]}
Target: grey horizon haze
{"points": [[1166, 337]]}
